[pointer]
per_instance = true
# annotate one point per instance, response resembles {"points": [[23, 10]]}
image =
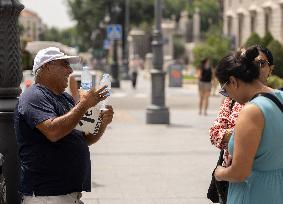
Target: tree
{"points": [[209, 12], [51, 34], [65, 36], [276, 49], [253, 39], [267, 39], [173, 8], [214, 48], [89, 15]]}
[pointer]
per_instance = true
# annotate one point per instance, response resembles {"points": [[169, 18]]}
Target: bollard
{"points": [[2, 182]]}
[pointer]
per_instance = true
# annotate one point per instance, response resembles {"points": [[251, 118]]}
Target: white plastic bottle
{"points": [[86, 79], [91, 120], [105, 81]]}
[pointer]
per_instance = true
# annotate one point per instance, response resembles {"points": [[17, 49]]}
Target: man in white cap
{"points": [[55, 158]]}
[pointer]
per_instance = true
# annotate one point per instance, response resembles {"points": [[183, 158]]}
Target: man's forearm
{"points": [[91, 138], [61, 126]]}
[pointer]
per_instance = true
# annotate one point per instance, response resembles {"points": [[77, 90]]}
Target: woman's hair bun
{"points": [[250, 54]]}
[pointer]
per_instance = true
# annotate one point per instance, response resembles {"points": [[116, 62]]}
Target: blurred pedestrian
{"points": [[54, 157], [224, 124], [135, 65], [255, 174], [205, 77]]}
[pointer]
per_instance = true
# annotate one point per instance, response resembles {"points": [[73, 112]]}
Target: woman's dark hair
{"points": [[266, 52], [240, 65], [269, 55]]}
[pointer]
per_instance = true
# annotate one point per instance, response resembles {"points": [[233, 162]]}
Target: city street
{"points": [[136, 163]]}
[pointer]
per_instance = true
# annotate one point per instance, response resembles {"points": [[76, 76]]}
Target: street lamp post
{"points": [[125, 75], [10, 79], [157, 112], [115, 66]]}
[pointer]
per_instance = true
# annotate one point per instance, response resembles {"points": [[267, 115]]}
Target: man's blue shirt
{"points": [[49, 168]]}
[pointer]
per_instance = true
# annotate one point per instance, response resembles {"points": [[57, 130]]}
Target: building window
{"points": [[240, 28], [229, 3], [229, 25], [267, 19], [253, 21]]}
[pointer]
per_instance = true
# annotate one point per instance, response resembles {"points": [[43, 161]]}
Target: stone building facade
{"points": [[32, 25], [243, 17]]}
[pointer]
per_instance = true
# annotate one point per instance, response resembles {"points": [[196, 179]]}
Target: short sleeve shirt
{"points": [[49, 168]]}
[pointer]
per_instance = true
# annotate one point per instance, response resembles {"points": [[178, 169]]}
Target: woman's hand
{"points": [[218, 173], [228, 160]]}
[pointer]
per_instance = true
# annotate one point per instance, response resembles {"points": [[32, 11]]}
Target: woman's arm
{"points": [[247, 137]]}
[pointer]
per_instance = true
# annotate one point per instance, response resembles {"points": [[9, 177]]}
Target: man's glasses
{"points": [[222, 90]]}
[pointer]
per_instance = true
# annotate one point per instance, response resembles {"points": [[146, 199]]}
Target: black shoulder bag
{"points": [[217, 191], [273, 98]]}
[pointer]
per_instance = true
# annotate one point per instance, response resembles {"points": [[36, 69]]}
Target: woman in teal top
{"points": [[256, 173]]}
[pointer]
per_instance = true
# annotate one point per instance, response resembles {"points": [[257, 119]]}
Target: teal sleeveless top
{"points": [[265, 183]]}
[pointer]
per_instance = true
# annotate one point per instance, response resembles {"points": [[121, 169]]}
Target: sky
{"points": [[52, 12]]}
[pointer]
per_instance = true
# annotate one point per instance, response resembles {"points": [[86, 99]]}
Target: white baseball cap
{"points": [[50, 54]]}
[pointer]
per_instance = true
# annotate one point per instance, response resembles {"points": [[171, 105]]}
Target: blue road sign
{"points": [[114, 32], [106, 44]]}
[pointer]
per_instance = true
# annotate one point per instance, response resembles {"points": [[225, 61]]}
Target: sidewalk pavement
{"points": [[136, 163]]}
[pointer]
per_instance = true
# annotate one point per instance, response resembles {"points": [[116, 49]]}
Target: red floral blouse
{"points": [[224, 124]]}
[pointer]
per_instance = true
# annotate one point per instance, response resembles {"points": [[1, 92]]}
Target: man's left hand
{"points": [[107, 115]]}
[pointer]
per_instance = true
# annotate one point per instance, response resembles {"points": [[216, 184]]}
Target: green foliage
{"points": [[253, 39], [66, 36], [174, 8], [276, 49], [214, 48], [267, 39], [209, 12], [275, 82], [51, 34], [89, 14]]}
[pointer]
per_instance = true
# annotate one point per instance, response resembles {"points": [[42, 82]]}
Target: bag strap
{"points": [[271, 97]]}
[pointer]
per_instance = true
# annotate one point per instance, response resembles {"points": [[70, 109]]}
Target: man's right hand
{"points": [[92, 97]]}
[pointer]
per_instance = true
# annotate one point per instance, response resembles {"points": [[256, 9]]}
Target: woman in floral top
{"points": [[225, 122]]}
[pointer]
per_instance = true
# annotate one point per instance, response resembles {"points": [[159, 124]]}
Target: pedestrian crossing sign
{"points": [[114, 32]]}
